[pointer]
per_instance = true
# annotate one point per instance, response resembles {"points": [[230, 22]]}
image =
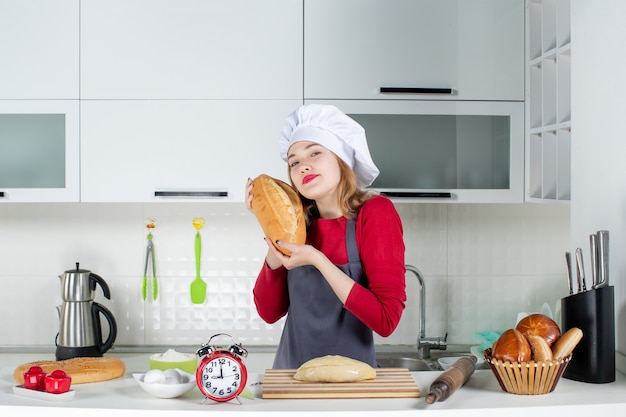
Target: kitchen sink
{"points": [[408, 359], [412, 364]]}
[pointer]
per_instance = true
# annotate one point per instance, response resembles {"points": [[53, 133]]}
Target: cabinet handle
{"points": [[417, 194], [416, 90], [1, 194], [191, 194]]}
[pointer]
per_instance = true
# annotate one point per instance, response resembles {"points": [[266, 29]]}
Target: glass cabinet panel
{"points": [[444, 151], [439, 151], [32, 150], [39, 151]]}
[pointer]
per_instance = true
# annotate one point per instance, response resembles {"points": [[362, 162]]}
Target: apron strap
{"points": [[351, 246]]}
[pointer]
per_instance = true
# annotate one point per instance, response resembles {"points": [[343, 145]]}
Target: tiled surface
{"points": [[482, 264]]}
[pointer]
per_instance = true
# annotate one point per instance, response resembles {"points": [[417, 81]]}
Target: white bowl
{"points": [[168, 390], [446, 361], [479, 353]]}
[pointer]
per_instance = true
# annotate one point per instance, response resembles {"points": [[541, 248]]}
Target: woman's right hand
{"points": [[273, 259]]}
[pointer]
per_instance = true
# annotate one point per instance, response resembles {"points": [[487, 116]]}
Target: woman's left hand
{"points": [[307, 255], [300, 254]]}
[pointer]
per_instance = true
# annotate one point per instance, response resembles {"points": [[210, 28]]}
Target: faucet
{"points": [[425, 344]]}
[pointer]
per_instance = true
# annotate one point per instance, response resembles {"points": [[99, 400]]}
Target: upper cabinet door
{"points": [[39, 151], [353, 48], [193, 49], [39, 49], [178, 150]]}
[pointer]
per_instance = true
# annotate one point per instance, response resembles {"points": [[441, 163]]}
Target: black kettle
{"points": [[80, 331]]}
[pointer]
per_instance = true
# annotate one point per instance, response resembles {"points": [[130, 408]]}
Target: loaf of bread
{"points": [[539, 325], [82, 370], [278, 209], [511, 346], [566, 343], [334, 368]]}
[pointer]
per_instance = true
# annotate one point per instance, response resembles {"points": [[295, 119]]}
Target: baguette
{"points": [[278, 209], [566, 343], [82, 370]]}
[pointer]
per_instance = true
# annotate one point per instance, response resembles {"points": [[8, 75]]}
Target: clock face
{"points": [[221, 376]]}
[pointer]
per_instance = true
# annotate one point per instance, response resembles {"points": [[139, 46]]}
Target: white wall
{"points": [[598, 138], [482, 264]]}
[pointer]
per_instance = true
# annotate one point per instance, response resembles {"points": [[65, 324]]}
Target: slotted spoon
{"points": [[198, 286]]}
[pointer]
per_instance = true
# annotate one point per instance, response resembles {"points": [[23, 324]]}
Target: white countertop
{"points": [[481, 396]]}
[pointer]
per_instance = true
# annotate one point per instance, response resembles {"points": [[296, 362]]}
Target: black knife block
{"points": [[593, 312]]}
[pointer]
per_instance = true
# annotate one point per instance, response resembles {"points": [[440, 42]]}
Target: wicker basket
{"points": [[527, 378]]}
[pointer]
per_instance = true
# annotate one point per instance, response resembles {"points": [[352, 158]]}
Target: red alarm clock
{"points": [[221, 374]]}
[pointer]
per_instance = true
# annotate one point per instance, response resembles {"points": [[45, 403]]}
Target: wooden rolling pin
{"points": [[451, 380]]}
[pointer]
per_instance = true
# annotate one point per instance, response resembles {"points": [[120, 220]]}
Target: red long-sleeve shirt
{"points": [[379, 238]]}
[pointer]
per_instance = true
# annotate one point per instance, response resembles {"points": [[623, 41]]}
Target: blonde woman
{"points": [[348, 280]]}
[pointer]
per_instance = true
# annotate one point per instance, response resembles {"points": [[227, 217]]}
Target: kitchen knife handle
{"points": [[593, 248], [580, 270], [568, 263], [603, 258], [416, 90]]}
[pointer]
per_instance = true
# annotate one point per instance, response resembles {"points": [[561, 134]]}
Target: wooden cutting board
{"points": [[389, 383]]}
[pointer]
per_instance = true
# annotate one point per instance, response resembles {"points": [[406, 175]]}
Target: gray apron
{"points": [[317, 324]]}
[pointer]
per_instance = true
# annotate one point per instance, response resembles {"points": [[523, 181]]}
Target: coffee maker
{"points": [[80, 332]]}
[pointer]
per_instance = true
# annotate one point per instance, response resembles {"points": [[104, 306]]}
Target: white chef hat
{"points": [[334, 130]]}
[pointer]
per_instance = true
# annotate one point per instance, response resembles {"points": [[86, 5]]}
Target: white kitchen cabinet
{"points": [[548, 102], [178, 150], [192, 49], [39, 49], [444, 151], [353, 48], [39, 151]]}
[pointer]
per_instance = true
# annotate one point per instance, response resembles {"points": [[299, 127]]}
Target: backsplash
{"points": [[482, 263]]}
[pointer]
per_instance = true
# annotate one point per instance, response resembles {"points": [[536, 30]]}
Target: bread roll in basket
{"points": [[530, 376]]}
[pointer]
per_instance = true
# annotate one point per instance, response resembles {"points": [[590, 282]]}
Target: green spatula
{"points": [[198, 287]]}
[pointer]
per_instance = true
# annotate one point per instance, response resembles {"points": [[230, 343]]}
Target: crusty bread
{"points": [[278, 210], [539, 325], [567, 342], [539, 348], [334, 368], [82, 370], [511, 346]]}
